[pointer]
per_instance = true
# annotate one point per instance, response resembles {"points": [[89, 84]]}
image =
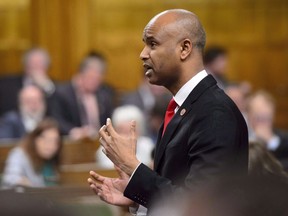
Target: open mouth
{"points": [[147, 69]]}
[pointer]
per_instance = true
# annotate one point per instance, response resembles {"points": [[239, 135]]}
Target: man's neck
{"points": [[184, 79]]}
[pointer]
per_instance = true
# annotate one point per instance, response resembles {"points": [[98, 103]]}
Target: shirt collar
{"points": [[186, 89]]}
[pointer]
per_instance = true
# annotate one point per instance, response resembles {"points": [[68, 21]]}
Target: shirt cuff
{"points": [[133, 210], [134, 172], [273, 143]]}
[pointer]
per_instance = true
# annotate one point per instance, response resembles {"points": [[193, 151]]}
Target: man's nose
{"points": [[144, 54]]}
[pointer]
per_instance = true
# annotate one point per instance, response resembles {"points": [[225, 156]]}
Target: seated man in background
{"points": [[215, 61], [36, 63], [260, 115], [145, 96], [237, 92], [34, 163], [82, 105], [156, 116], [32, 109], [122, 117]]}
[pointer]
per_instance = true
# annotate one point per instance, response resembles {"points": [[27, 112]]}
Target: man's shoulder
{"points": [[12, 116], [64, 89], [11, 78]]}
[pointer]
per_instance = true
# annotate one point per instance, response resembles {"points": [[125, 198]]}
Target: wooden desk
{"points": [[77, 174], [73, 152]]}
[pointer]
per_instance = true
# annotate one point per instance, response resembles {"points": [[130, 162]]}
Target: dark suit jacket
{"points": [[281, 153], [11, 126], [67, 110], [207, 140], [9, 89]]}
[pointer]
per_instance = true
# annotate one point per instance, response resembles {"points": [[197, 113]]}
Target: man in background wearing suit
{"points": [[82, 105], [260, 115], [204, 136], [31, 110], [36, 63]]}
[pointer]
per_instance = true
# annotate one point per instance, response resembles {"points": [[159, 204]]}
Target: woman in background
{"points": [[34, 163], [263, 164]]}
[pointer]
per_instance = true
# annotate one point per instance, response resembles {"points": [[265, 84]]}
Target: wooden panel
{"points": [[14, 34], [79, 152], [254, 32], [77, 174]]}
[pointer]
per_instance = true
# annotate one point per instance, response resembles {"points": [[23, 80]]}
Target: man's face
{"points": [[32, 103], [260, 113], [92, 77], [160, 54], [36, 64]]}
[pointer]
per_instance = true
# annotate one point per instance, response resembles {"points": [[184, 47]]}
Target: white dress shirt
{"points": [[179, 98]]}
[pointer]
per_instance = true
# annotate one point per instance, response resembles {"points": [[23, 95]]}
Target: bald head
{"points": [[174, 42], [182, 22]]}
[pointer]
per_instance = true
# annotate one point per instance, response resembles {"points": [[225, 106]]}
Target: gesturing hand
{"points": [[110, 190], [119, 149]]}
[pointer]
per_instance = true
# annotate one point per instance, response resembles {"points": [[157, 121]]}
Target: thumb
{"points": [[133, 129]]}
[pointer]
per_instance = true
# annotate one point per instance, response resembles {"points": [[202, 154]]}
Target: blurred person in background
{"points": [[122, 117], [82, 105], [156, 116], [263, 163], [34, 163], [145, 96], [31, 111], [215, 62], [238, 93], [260, 114], [36, 63]]}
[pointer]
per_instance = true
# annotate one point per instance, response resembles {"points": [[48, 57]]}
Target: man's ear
{"points": [[186, 49]]}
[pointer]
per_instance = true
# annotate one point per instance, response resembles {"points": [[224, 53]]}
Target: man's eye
{"points": [[153, 44]]}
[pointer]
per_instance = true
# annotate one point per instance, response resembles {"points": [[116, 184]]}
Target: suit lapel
{"points": [[178, 117]]}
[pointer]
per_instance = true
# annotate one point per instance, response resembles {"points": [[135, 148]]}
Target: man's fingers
{"points": [[91, 181], [133, 129], [102, 142], [110, 128], [103, 134], [96, 176], [94, 188]]}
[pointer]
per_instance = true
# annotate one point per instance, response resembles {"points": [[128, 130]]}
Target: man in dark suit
{"points": [[31, 110], [260, 115], [204, 136], [36, 63], [83, 104]]}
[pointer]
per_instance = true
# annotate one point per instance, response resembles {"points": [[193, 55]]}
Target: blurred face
{"points": [[160, 56], [32, 102], [238, 97], [92, 77], [36, 64], [219, 65], [47, 144], [260, 113]]}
